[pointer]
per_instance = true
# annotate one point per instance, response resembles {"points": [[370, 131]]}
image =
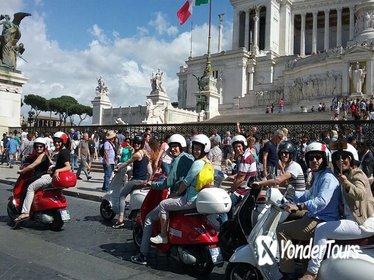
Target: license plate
{"points": [[216, 255], [65, 216]]}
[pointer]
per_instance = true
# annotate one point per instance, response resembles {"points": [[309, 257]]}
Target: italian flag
{"points": [[185, 12]]}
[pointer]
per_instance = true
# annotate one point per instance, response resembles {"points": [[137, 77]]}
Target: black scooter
{"points": [[234, 231]]}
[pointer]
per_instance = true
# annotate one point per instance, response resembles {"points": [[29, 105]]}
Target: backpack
{"points": [[205, 177], [101, 150]]}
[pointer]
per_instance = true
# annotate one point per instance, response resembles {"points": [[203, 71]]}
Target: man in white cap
{"points": [[108, 158]]}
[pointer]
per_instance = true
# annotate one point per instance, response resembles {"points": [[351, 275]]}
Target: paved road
{"points": [[86, 248]]}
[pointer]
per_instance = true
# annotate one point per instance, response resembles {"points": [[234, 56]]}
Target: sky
{"points": [[71, 43]]}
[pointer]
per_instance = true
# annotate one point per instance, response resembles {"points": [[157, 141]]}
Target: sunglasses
{"points": [[314, 156], [342, 156], [285, 153], [39, 147]]}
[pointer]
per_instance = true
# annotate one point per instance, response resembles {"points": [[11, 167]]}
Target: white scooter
{"points": [[259, 258], [109, 206]]}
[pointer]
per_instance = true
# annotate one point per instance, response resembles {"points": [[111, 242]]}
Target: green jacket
{"points": [[179, 169]]}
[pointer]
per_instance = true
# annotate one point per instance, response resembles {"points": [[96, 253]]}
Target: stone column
{"points": [[314, 35], [235, 33], [256, 30], [327, 29], [351, 22], [246, 30], [339, 27], [302, 35], [251, 71]]}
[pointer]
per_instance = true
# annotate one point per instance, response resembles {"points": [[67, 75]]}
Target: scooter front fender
{"points": [[244, 254]]}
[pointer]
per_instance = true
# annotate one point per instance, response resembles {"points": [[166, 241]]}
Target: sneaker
{"points": [[79, 178], [159, 239], [88, 178], [118, 225], [139, 259]]}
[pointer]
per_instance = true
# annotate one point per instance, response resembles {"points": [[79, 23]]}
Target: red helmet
{"points": [[66, 179], [61, 135]]}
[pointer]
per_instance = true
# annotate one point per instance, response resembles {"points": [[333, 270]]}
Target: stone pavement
{"points": [[90, 190]]}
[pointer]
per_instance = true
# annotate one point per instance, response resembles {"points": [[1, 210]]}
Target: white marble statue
{"points": [[357, 77], [101, 88], [156, 81], [155, 114]]}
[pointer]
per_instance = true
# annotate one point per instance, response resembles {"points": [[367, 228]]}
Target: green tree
{"points": [[82, 111], [37, 103], [63, 107]]}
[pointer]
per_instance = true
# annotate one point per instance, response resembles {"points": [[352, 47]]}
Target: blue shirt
{"points": [[178, 171], [12, 146], [323, 198], [191, 178], [111, 155]]}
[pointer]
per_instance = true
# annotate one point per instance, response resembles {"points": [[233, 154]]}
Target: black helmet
{"points": [[139, 139], [287, 146]]}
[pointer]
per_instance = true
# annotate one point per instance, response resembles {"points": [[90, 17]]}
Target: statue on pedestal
{"points": [[10, 35], [357, 77], [101, 88], [155, 114], [156, 82]]}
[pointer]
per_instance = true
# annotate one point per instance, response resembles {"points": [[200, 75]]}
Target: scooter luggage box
{"points": [[66, 179], [213, 201]]}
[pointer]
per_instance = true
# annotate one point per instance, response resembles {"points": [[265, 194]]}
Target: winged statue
{"points": [[10, 35]]}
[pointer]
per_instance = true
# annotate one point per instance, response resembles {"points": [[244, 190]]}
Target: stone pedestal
{"points": [[158, 96], [11, 83], [100, 103], [210, 98]]}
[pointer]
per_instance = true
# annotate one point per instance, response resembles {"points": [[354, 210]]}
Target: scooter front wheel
{"points": [[57, 223], [244, 271], [106, 210], [137, 234], [12, 211]]}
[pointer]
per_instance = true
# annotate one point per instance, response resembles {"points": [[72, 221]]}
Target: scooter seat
{"points": [[361, 242]]}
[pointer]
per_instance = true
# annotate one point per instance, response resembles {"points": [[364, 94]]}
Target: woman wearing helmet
{"points": [[60, 140], [184, 198], [291, 173], [180, 165], [322, 201], [358, 207], [38, 159], [141, 173]]}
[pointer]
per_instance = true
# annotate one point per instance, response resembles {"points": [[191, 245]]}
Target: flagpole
{"points": [[191, 40], [208, 69]]}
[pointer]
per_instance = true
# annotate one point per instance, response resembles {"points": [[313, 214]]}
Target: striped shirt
{"points": [[247, 166]]}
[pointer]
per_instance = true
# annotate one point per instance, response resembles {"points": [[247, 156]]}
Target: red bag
{"points": [[67, 179]]}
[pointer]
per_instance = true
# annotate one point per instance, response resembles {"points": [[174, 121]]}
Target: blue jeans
{"points": [[108, 170]]}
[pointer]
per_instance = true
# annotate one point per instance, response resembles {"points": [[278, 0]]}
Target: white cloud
{"points": [[126, 64], [162, 26]]}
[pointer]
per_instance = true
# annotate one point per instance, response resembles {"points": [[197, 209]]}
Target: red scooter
{"points": [[49, 204], [192, 240]]}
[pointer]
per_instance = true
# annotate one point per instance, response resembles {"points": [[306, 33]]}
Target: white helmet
{"points": [[239, 138], [177, 138], [318, 147], [61, 135], [203, 140], [40, 140], [350, 150]]}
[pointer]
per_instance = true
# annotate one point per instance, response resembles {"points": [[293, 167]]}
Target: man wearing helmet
{"points": [[141, 173], [60, 140], [358, 208], [180, 165], [321, 200], [291, 173], [246, 169], [185, 197]]}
